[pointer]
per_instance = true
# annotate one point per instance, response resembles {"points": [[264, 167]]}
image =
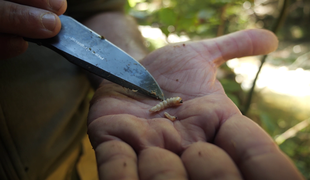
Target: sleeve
{"points": [[82, 9]]}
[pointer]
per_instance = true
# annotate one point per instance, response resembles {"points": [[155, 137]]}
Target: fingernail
{"points": [[49, 21], [56, 5]]}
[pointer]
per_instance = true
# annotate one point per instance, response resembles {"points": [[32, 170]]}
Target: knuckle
{"points": [[20, 20], [13, 17]]}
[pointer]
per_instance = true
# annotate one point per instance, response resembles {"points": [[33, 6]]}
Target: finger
{"points": [[27, 21], [138, 133], [157, 163], [239, 44], [206, 161], [11, 46], [116, 160], [255, 153], [56, 6]]}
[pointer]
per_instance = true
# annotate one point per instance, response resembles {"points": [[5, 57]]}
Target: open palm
{"points": [[187, 70]]}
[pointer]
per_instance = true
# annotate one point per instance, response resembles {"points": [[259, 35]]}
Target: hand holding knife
{"points": [[91, 51]]}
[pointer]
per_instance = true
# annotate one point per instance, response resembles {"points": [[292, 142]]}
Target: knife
{"points": [[91, 51]]}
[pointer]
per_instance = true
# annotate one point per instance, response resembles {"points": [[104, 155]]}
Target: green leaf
{"points": [[164, 29], [230, 85], [267, 123], [234, 99], [167, 16], [185, 23]]}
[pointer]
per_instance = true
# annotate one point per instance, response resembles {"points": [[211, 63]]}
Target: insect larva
{"points": [[171, 118], [174, 101]]}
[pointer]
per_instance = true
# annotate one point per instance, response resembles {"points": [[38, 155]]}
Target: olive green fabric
{"points": [[43, 110]]}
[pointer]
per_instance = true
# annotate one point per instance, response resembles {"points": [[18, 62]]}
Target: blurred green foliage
{"points": [[195, 18], [198, 19]]}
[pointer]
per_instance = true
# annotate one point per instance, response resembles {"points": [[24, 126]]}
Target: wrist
{"points": [[120, 29]]}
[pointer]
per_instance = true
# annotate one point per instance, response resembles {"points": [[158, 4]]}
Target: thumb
{"points": [[242, 43]]}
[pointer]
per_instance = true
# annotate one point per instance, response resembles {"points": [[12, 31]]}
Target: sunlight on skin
{"points": [[194, 68], [186, 70]]}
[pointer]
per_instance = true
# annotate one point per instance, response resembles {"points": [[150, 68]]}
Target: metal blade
{"points": [[91, 51]]}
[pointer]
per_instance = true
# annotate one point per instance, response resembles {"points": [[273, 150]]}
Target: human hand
{"points": [[211, 138], [27, 18]]}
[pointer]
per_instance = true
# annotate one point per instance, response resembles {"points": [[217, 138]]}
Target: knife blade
{"points": [[91, 51]]}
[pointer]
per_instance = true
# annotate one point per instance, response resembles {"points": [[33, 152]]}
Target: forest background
{"points": [[273, 90]]}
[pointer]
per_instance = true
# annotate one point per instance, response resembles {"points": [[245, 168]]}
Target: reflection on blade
{"points": [[91, 51]]}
